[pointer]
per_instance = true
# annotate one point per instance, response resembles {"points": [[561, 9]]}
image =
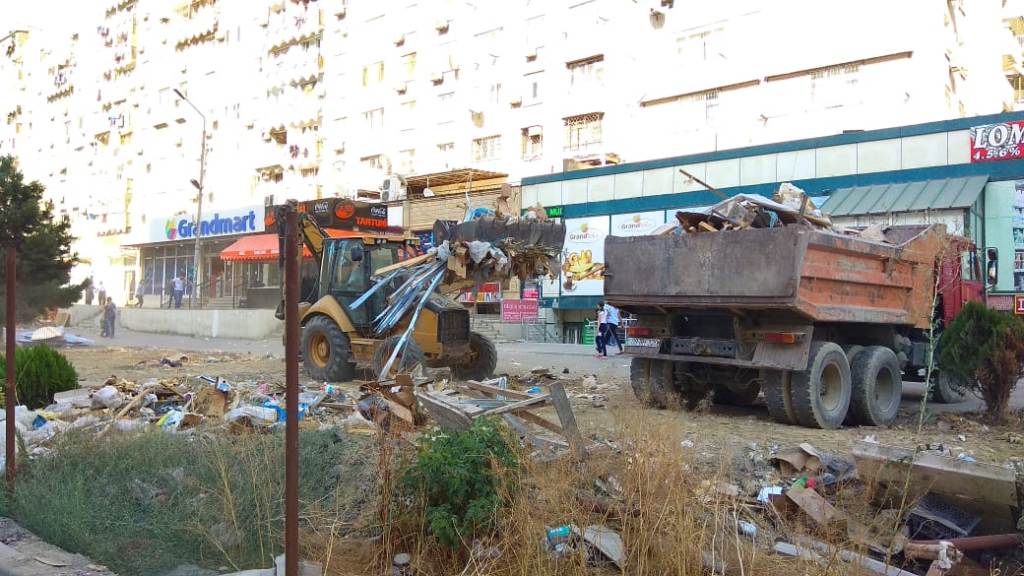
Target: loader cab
{"points": [[347, 266]]}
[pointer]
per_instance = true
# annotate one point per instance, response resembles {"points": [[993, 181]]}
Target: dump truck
{"points": [[337, 319], [827, 325]]}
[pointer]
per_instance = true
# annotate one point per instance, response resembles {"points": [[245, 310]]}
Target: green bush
{"points": [[41, 372], [984, 349], [462, 479]]}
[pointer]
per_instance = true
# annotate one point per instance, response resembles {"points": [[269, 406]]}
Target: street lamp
{"points": [[199, 206]]}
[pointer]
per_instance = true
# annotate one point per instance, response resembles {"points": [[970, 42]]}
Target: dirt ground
{"points": [[599, 401]]}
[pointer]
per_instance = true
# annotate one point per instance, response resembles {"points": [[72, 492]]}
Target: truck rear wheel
{"points": [[326, 351], [877, 386], [821, 394], [776, 387], [483, 361], [651, 381], [947, 390], [741, 390], [410, 357]]}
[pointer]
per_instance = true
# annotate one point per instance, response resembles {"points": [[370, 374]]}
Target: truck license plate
{"points": [[643, 343]]}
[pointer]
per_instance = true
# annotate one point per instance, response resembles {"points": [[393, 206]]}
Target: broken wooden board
{"points": [[531, 402], [984, 488], [446, 414], [815, 506]]}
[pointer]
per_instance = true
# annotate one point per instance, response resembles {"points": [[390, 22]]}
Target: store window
{"points": [[163, 264]]}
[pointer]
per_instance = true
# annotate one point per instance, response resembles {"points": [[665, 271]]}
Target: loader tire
{"points": [[947, 390], [326, 351], [776, 388], [821, 394], [651, 381], [411, 357], [742, 390], [877, 387], [483, 362]]}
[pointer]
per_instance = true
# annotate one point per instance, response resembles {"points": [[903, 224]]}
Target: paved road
{"points": [[514, 357]]}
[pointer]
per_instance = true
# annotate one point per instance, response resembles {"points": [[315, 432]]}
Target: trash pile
{"points": [[898, 512], [788, 206]]}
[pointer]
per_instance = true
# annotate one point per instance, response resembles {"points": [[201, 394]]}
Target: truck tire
{"points": [[326, 352], [776, 387], [651, 381], [947, 390], [821, 394], [742, 390], [877, 386], [410, 358], [483, 362], [852, 352]]}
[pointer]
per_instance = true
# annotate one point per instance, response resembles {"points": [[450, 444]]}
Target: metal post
{"points": [[10, 391], [291, 352], [197, 259]]}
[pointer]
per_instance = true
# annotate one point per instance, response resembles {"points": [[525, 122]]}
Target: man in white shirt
{"points": [[612, 318], [179, 290]]}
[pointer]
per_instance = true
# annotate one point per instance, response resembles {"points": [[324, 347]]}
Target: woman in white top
{"points": [[602, 326]]}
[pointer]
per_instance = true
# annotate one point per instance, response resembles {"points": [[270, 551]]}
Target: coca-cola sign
{"points": [[1001, 141]]}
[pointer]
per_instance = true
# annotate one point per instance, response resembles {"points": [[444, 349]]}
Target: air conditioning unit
{"points": [[392, 188]]}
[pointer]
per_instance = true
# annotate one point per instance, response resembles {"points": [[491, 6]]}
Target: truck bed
{"points": [[822, 276]]}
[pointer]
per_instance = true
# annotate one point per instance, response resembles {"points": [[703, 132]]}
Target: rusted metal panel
{"points": [[711, 267]]}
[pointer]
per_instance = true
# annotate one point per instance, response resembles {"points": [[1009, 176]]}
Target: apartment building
{"points": [[308, 99]]}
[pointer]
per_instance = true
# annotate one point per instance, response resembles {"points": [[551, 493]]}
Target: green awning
{"points": [[944, 194]]}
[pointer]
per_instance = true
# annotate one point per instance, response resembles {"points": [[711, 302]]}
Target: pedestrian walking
{"points": [[612, 317], [179, 290], [89, 293], [102, 293], [109, 318], [602, 316]]}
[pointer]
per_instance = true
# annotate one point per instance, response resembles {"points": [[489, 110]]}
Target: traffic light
{"points": [[992, 266]]}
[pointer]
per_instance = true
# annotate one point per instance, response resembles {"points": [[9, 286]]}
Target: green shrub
{"points": [[462, 479], [41, 372], [984, 349]]}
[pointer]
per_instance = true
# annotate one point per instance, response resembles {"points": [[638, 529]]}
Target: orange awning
{"points": [[263, 247]]}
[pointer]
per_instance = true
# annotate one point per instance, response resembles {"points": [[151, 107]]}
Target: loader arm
{"points": [[313, 237]]}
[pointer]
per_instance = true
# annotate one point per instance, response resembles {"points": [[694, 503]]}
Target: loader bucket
{"points": [[530, 232]]}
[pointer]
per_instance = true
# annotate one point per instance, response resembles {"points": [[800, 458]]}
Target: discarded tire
{"points": [[947, 390], [821, 394], [326, 352], [651, 380], [407, 362], [483, 362], [742, 390], [776, 388], [877, 386]]}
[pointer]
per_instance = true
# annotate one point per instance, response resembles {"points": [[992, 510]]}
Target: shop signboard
{"points": [[519, 310], [637, 224], [1002, 141], [340, 214], [243, 220], [583, 256]]}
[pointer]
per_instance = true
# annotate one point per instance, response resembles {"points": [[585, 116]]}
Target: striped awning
{"points": [[942, 194]]}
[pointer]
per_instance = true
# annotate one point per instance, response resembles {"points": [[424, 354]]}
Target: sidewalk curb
{"points": [[16, 563]]}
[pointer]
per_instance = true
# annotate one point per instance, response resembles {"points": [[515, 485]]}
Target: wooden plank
{"points": [[403, 264], [707, 227], [540, 421], [568, 419], [533, 401], [495, 391], [447, 415], [537, 441], [939, 474]]}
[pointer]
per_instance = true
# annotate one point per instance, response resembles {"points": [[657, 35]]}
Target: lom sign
{"points": [[1001, 141]]}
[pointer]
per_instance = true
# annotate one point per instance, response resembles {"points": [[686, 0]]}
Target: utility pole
{"points": [[11, 389], [197, 258], [291, 367]]}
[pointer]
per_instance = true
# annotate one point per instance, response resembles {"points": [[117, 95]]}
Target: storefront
{"points": [[252, 261], [966, 173], [167, 251]]}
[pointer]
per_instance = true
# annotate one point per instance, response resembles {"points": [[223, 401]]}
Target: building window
{"points": [[531, 88], [586, 73], [532, 142], [375, 162], [373, 74], [700, 46], [583, 131], [374, 119], [488, 148], [409, 65], [406, 161], [835, 86], [534, 35], [445, 107], [408, 114], [495, 94]]}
